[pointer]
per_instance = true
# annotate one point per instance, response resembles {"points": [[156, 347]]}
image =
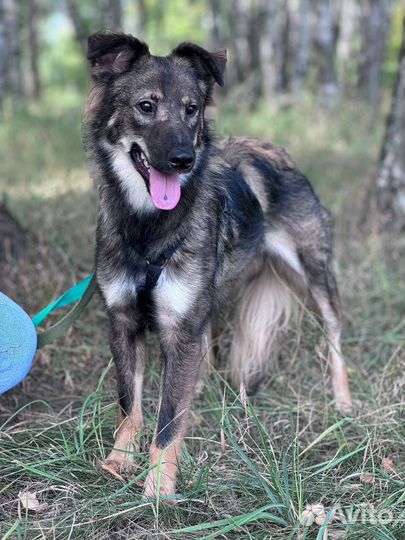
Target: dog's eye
{"points": [[191, 109], [146, 107]]}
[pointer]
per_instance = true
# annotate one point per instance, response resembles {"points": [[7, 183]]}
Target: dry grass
{"points": [[284, 449]]}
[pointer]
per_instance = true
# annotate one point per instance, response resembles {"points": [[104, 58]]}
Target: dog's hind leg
{"points": [[267, 301], [324, 293], [307, 268], [129, 353]]}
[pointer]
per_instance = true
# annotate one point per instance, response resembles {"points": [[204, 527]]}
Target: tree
{"points": [[12, 51], [33, 22], [302, 45], [79, 25], [374, 24], [345, 49], [111, 15], [326, 39], [239, 25], [3, 55], [390, 178], [216, 24], [268, 52]]}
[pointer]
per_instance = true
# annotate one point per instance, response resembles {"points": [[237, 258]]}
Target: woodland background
{"points": [[333, 50], [326, 80]]}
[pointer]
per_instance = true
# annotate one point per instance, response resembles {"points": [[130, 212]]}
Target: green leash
{"points": [[80, 293]]}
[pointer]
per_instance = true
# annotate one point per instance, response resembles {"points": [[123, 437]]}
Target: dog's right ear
{"points": [[113, 54]]}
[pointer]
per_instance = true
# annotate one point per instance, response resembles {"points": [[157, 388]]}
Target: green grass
{"points": [[250, 469]]}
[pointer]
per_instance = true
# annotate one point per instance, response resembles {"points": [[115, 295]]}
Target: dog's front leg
{"points": [[180, 368], [129, 353]]}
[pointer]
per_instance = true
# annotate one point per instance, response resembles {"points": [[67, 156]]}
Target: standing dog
{"points": [[185, 223]]}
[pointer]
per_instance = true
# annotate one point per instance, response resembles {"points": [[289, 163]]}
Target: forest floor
{"points": [[250, 467]]}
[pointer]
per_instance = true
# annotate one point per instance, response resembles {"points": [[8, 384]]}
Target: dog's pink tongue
{"points": [[164, 189]]}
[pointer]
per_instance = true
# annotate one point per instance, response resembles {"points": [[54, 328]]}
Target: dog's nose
{"points": [[181, 160]]}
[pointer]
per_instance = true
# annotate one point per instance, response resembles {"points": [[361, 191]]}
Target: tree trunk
{"points": [[255, 36], [374, 26], [284, 45], [111, 15], [141, 18], [302, 45], [12, 236], [3, 55], [115, 10], [33, 22], [348, 25], [13, 78], [267, 52], [272, 48], [215, 23], [390, 180], [326, 44], [78, 25], [239, 24]]}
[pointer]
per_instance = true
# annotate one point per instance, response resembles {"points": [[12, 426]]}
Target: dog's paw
{"points": [[346, 407], [159, 483], [118, 464]]}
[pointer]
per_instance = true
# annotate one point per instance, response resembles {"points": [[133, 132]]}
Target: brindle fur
{"points": [[239, 196]]}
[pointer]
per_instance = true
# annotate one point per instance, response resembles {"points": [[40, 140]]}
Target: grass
{"points": [[252, 466]]}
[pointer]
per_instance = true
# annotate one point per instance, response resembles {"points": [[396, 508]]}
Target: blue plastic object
{"points": [[18, 343]]}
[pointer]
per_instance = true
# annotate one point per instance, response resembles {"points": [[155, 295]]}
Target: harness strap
{"points": [[154, 269], [82, 293]]}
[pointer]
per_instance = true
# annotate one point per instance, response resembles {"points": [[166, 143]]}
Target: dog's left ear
{"points": [[209, 66]]}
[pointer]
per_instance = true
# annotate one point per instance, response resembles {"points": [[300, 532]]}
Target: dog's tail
{"points": [[264, 309]]}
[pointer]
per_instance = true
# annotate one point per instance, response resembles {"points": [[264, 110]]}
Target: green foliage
{"points": [[166, 24]]}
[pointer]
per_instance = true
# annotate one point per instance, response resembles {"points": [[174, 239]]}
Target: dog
{"points": [[185, 224]]}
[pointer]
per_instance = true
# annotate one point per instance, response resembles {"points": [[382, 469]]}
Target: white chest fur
{"points": [[118, 291]]}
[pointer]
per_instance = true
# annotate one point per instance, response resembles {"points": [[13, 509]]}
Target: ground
{"points": [[251, 466]]}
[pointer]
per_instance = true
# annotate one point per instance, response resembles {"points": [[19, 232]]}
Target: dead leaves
{"points": [[388, 465], [28, 501], [313, 513]]}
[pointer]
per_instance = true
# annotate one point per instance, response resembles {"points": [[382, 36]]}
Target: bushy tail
{"points": [[264, 310]]}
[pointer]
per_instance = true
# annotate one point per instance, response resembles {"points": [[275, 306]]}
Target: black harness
{"points": [[153, 270]]}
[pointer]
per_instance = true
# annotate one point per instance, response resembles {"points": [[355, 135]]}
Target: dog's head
{"points": [[147, 111]]}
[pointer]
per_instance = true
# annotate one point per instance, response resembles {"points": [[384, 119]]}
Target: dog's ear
{"points": [[209, 66], [113, 54]]}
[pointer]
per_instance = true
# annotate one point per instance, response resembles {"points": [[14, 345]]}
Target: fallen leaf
{"points": [[313, 513], [29, 501], [388, 465], [367, 478]]}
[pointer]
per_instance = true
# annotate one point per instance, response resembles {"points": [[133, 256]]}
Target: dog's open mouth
{"points": [[163, 188]]}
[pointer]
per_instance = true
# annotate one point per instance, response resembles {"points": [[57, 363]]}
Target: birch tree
{"points": [[390, 178]]}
